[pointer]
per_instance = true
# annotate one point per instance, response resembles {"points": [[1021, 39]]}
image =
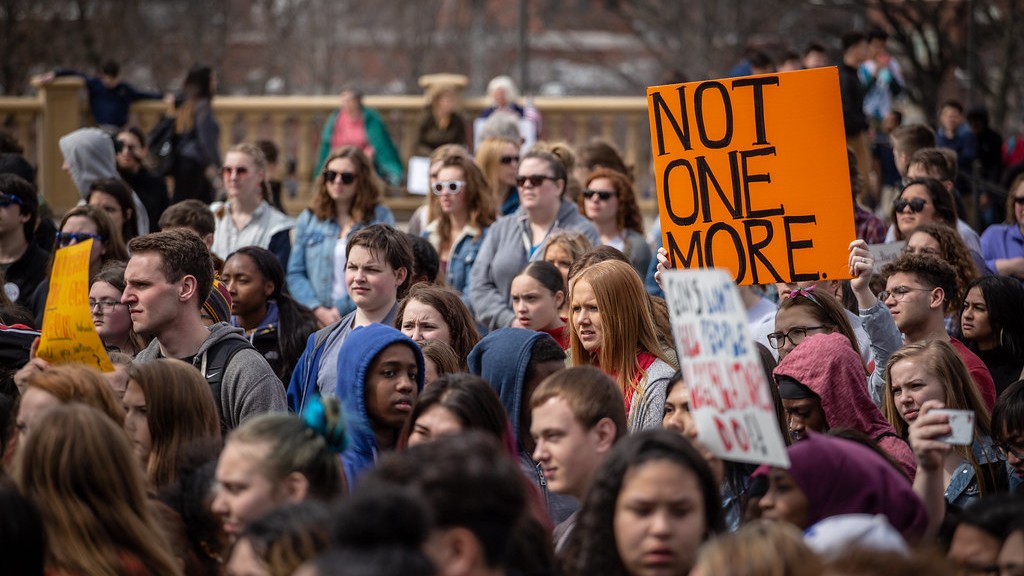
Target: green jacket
{"points": [[385, 158]]}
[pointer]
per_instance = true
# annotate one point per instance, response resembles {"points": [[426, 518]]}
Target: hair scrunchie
{"points": [[324, 417]]}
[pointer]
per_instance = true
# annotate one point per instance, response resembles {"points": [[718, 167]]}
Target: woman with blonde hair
{"points": [[760, 548], [613, 328], [276, 459], [167, 407], [499, 160], [461, 210], [609, 201], [247, 218], [347, 199], [927, 375], [79, 470]]}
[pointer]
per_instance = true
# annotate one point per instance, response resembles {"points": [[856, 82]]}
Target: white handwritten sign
{"points": [[729, 398]]}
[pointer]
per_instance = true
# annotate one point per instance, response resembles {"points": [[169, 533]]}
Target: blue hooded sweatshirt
{"points": [[502, 358], [354, 360]]}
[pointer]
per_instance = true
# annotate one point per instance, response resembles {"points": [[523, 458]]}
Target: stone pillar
{"points": [[62, 114]]}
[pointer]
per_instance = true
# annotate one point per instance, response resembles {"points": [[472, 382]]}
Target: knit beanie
{"points": [[218, 303]]}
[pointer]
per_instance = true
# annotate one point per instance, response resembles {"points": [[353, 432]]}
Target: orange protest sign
{"points": [[68, 334], [752, 175]]}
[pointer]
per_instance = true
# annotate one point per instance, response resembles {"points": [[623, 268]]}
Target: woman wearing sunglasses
{"points": [[247, 218], [925, 201], [82, 223], [1003, 244], [460, 213], [347, 199], [609, 201], [519, 238]]}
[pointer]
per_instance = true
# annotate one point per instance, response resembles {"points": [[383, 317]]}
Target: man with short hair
{"points": [[940, 164], [110, 98], [855, 122], [909, 139], [577, 416], [955, 134], [21, 260], [168, 278], [916, 293]]}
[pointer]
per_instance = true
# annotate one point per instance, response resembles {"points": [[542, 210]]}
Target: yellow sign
{"points": [[752, 176], [68, 334]]}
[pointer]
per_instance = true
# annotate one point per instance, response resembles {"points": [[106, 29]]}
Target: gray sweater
{"points": [[249, 386], [503, 255]]}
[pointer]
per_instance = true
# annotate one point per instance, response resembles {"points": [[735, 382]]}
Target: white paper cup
{"points": [[962, 424]]}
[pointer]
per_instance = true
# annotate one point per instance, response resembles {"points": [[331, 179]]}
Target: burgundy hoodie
{"points": [[828, 365]]}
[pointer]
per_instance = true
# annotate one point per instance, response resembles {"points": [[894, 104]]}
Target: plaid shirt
{"points": [[870, 228]]}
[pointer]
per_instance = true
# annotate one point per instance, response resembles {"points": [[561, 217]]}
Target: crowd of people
{"points": [[497, 390]]}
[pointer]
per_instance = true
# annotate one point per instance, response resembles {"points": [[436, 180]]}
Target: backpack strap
{"points": [[213, 364]]}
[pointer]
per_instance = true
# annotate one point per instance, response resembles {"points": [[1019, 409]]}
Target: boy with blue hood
{"points": [[380, 375], [515, 361]]}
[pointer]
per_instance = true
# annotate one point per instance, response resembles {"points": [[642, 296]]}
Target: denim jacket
{"points": [[311, 266], [963, 483], [467, 245]]}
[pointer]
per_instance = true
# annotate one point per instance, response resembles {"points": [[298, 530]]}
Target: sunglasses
{"points": [[601, 194], [120, 146], [451, 187], [8, 199], [916, 205], [69, 238], [534, 180], [346, 177], [508, 159], [240, 170]]}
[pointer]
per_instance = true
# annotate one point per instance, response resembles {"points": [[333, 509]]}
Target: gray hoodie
{"points": [[89, 153], [503, 256], [249, 386]]}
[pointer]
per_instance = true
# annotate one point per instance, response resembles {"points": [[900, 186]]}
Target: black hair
{"points": [[951, 103], [122, 193], [592, 548], [546, 274], [22, 537], [878, 34], [469, 398], [269, 149], [543, 350], [994, 515], [23, 190], [1008, 413], [380, 516], [979, 115], [814, 47], [759, 59], [382, 561], [199, 83], [111, 68], [467, 481], [1003, 297], [851, 39], [425, 260], [296, 321]]}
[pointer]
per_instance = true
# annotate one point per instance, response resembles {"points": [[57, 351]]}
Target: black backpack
{"points": [[163, 143], [217, 359]]}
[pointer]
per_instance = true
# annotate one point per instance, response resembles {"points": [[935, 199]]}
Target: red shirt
{"points": [[979, 373]]}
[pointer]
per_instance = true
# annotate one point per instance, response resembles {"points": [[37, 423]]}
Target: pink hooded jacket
{"points": [[828, 365]]}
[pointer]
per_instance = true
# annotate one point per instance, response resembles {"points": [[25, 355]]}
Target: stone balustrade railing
{"points": [[295, 124]]}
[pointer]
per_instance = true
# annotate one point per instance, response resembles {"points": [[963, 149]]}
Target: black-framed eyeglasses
{"points": [[346, 177], [601, 194], [69, 238], [1006, 450], [795, 335], [509, 159], [104, 305], [8, 199], [533, 179], [898, 293], [450, 187], [228, 170], [916, 204]]}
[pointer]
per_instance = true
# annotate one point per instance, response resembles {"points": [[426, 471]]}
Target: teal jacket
{"points": [[385, 156]]}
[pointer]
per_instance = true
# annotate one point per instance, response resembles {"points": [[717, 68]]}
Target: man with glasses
{"points": [[21, 259], [916, 292], [1008, 432]]}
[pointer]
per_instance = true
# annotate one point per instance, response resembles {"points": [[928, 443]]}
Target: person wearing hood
{"points": [[515, 361], [821, 382], [380, 375], [168, 278], [831, 476], [89, 155], [519, 238]]}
